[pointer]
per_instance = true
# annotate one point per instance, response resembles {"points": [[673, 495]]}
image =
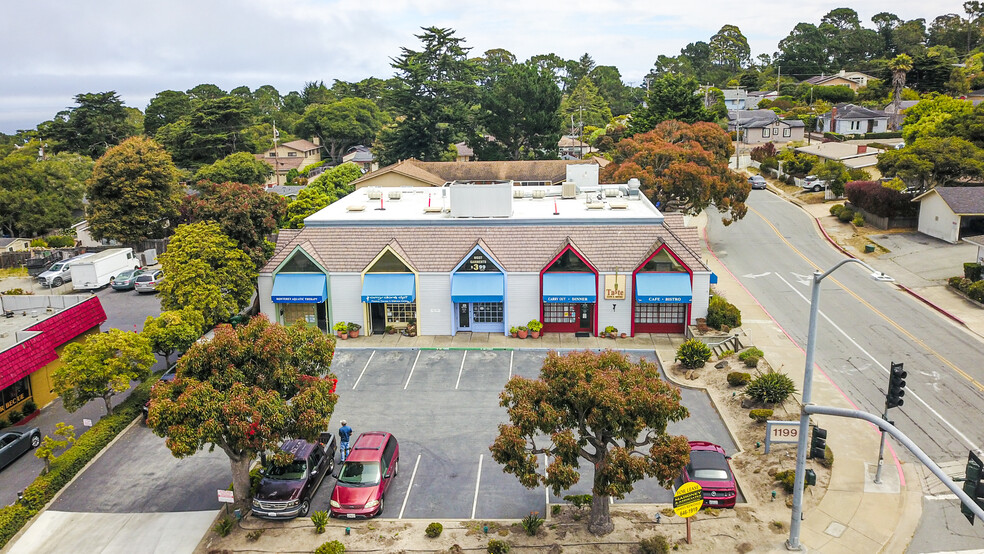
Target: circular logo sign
{"points": [[688, 500]]}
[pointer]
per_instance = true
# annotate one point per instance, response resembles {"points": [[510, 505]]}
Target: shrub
{"points": [[771, 388], [434, 530], [331, 547], [555, 509], [15, 416], [39, 243], [320, 521], [725, 353], [760, 415], [739, 379], [254, 535], [976, 291], [875, 199], [18, 292], [61, 241], [973, 271], [751, 361], [954, 282], [656, 544], [534, 325], [845, 215], [579, 501], [532, 523], [224, 526], [497, 546], [30, 407], [787, 479], [835, 210], [751, 353], [3, 422], [858, 220], [721, 312], [340, 327], [828, 457], [693, 354]]}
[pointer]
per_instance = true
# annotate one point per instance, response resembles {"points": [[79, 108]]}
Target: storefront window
{"points": [[399, 315], [559, 313], [487, 312], [660, 313], [300, 312], [15, 393]]}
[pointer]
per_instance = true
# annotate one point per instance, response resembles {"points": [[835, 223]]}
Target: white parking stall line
{"points": [[460, 369], [511, 352], [411, 370], [478, 481], [909, 392], [407, 496], [364, 370]]}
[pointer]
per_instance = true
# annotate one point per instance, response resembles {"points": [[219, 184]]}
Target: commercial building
{"points": [[490, 255], [33, 330]]}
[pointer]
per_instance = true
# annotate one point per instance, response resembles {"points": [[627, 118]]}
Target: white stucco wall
{"points": [[617, 313], [435, 311], [937, 220], [522, 298], [264, 288], [345, 300], [700, 291]]}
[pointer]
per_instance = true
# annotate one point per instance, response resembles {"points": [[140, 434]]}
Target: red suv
{"points": [[365, 476]]}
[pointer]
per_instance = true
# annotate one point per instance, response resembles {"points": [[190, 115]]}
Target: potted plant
{"points": [[535, 326], [353, 329], [522, 331], [611, 331], [623, 335], [390, 330], [514, 331], [412, 328], [341, 328]]}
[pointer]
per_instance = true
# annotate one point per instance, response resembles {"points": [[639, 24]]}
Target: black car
{"points": [[15, 443], [285, 492]]}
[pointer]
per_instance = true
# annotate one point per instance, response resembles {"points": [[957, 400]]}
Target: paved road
{"points": [[441, 405], [124, 310], [864, 326]]}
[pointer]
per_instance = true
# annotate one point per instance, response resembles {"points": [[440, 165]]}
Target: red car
{"points": [[710, 469], [365, 476]]}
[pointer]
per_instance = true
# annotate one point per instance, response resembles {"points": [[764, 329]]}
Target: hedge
{"points": [[66, 466], [875, 199]]}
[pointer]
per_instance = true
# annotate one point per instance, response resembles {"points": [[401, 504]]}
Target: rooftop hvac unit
{"points": [[568, 189], [539, 193]]}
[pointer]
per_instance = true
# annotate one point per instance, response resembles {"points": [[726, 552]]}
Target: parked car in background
{"points": [[285, 491], [365, 476], [13, 444], [60, 272], [710, 469], [125, 280], [148, 281], [812, 182], [757, 182]]}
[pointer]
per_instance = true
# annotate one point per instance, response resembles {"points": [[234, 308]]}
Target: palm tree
{"points": [[900, 65]]}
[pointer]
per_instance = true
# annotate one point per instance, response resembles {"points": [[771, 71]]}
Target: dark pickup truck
{"points": [[285, 492]]}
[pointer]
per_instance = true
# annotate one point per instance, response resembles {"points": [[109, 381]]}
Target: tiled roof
{"points": [[438, 173], [519, 248], [28, 356], [282, 164], [963, 200], [302, 145], [852, 111]]}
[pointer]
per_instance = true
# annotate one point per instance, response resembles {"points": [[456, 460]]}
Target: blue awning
{"points": [[569, 288], [663, 288], [474, 286], [389, 288], [714, 278], [299, 288]]}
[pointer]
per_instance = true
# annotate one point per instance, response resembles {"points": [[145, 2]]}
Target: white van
{"points": [[98, 270], [59, 272]]}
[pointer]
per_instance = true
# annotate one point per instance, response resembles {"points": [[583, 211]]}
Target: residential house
{"points": [[761, 126], [853, 79], [465, 152], [289, 192], [295, 154], [978, 241], [854, 156], [850, 119], [571, 148], [951, 213], [736, 99], [363, 157], [14, 244], [415, 173]]}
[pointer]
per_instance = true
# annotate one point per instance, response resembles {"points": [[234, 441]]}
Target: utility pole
{"points": [[276, 154]]}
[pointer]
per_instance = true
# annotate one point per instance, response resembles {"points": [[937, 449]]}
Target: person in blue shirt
{"points": [[344, 434]]}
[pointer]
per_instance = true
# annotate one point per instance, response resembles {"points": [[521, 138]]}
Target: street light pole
{"points": [[793, 543]]}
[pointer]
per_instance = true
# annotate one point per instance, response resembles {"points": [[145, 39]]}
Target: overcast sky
{"points": [[55, 50]]}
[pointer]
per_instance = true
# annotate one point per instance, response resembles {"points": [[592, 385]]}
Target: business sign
{"points": [[688, 500], [781, 431], [614, 287], [571, 299], [226, 497], [478, 262], [664, 299], [389, 299], [297, 299]]}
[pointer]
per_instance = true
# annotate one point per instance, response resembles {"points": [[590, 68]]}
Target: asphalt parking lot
{"points": [[442, 406]]}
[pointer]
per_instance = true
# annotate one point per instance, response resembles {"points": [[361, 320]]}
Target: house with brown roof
{"points": [[951, 213], [853, 79], [295, 154], [488, 255], [415, 173]]}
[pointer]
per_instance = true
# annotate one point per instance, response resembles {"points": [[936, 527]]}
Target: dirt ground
{"points": [[760, 525]]}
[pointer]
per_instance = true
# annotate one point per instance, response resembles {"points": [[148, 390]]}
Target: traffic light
{"points": [[973, 485], [818, 443], [896, 387]]}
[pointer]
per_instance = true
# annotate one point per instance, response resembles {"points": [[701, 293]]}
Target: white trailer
{"points": [[98, 270]]}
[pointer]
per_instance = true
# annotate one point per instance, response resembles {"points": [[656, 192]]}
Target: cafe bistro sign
{"points": [[615, 287]]}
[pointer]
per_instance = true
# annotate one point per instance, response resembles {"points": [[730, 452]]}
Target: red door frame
{"points": [[638, 270], [565, 327]]}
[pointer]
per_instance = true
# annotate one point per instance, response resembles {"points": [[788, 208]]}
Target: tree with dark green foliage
{"points": [[211, 132], [205, 91], [933, 161], [621, 99], [342, 124], [434, 96], [670, 97], [327, 188], [166, 107], [133, 192], [241, 167], [37, 195], [493, 65], [520, 110], [584, 107], [729, 48], [99, 122]]}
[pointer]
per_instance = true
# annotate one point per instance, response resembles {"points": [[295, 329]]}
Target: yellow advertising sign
{"points": [[688, 500], [614, 287]]}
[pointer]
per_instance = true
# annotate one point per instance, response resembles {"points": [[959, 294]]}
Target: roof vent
{"points": [[356, 208], [539, 193], [375, 194], [395, 195]]}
